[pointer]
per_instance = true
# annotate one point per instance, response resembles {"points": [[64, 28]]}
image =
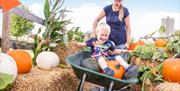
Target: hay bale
{"points": [[63, 51], [167, 86], [55, 80]]}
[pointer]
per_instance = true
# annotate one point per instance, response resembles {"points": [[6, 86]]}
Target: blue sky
{"points": [[145, 15]]}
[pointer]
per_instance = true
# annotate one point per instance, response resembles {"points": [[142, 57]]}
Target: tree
{"points": [[20, 26]]}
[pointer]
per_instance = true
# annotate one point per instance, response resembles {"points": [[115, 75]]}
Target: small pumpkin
{"points": [[8, 65], [117, 68], [171, 70], [23, 60], [160, 42], [132, 46], [47, 60]]}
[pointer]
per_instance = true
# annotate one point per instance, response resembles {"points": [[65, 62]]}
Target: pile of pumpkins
{"points": [[20, 61], [14, 62]]}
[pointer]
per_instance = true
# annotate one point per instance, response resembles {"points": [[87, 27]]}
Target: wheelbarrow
{"points": [[94, 77]]}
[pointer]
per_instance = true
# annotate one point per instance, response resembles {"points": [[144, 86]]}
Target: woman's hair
{"points": [[121, 12], [103, 26]]}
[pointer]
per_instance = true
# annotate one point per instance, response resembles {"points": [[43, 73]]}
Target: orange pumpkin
{"points": [[117, 68], [160, 42], [23, 60], [171, 70], [132, 46]]}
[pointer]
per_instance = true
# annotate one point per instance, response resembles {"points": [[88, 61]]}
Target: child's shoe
{"points": [[108, 71], [131, 72]]}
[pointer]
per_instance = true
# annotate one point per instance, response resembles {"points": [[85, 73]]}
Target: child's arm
{"points": [[79, 44]]}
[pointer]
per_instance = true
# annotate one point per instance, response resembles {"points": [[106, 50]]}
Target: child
{"points": [[104, 49]]}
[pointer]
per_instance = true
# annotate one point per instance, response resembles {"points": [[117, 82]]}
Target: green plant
{"points": [[75, 34], [55, 26], [159, 55], [173, 46], [144, 51], [5, 80], [20, 26], [154, 74]]}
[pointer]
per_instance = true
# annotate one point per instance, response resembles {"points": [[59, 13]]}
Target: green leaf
{"points": [[162, 29], [47, 9], [159, 78], [60, 5], [5, 79], [56, 3]]}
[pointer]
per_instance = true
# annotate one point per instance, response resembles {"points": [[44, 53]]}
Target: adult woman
{"points": [[117, 17]]}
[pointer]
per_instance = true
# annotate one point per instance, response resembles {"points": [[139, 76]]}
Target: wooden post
{"points": [[5, 43], [5, 40]]}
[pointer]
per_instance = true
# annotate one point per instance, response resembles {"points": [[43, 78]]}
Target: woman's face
{"points": [[117, 3]]}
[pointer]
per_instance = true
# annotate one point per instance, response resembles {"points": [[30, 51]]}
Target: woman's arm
{"points": [[119, 51], [128, 31], [99, 17]]}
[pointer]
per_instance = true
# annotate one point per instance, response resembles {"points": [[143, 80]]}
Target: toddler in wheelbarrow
{"points": [[104, 58]]}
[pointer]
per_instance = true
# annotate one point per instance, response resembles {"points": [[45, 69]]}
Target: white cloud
{"points": [[84, 16], [36, 9], [150, 22]]}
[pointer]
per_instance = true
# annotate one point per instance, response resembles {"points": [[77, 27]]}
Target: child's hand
{"points": [[110, 52]]}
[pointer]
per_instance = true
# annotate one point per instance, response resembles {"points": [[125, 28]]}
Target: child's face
{"points": [[102, 35]]}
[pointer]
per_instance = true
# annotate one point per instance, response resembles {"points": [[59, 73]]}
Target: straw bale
{"points": [[57, 79]]}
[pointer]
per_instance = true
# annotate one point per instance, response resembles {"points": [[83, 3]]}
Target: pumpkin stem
{"points": [[117, 66]]}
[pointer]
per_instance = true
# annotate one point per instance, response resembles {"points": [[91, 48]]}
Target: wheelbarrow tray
{"points": [[95, 77]]}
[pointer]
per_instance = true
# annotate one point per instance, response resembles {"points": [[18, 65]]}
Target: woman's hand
{"points": [[119, 51]]}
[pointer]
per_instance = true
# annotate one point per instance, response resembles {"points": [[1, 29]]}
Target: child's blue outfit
{"points": [[102, 50]]}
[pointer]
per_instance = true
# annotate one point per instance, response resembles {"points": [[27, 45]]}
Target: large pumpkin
{"points": [[8, 65], [117, 68], [132, 46], [160, 42], [171, 70], [23, 60], [47, 60]]}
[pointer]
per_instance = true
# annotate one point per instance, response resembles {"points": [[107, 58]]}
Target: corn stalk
{"points": [[54, 24]]}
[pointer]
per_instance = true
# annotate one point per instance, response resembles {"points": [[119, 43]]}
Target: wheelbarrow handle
{"points": [[81, 84], [111, 86]]}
